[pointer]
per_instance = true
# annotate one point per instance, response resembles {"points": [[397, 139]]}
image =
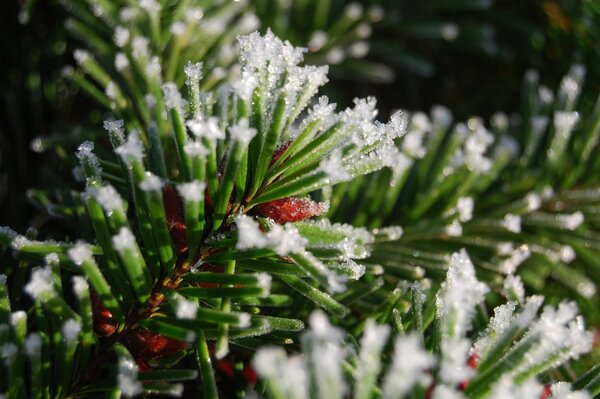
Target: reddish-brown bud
{"points": [[104, 323], [175, 218], [145, 345], [290, 209], [279, 151]]}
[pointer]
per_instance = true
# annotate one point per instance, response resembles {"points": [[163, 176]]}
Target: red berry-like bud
{"points": [[104, 323], [290, 209], [250, 375], [279, 152], [546, 393], [175, 218], [225, 366], [145, 345], [473, 361]]}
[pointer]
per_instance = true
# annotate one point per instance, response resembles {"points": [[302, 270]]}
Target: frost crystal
{"points": [[264, 281], [534, 201], [572, 221], [512, 223], [192, 191], [369, 362], [409, 367], [195, 149], [115, 130], [359, 49], [186, 309], [80, 253], [392, 233], [503, 315], [441, 117], [33, 344], [350, 268], [70, 330], [459, 295], [353, 10], [505, 388], [563, 390], [464, 205], [513, 288], [567, 254], [208, 128], [125, 240], [241, 132], [173, 99], [140, 47], [108, 198], [85, 154], [151, 182], [132, 148], [249, 234], [81, 56], [150, 6], [121, 36], [193, 73], [18, 317], [518, 256], [324, 353], [561, 335], [41, 284], [8, 351], [334, 168], [111, 91], [454, 229], [121, 62], [80, 286], [127, 378], [290, 374], [565, 122]]}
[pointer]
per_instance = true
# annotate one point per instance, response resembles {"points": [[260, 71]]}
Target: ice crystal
{"points": [[208, 128], [512, 223], [18, 317], [193, 73], [127, 378], [334, 168], [369, 361], [80, 286], [185, 309], [121, 62], [506, 388], [132, 148], [85, 154], [81, 56], [192, 191], [289, 374], [410, 364], [151, 182], [513, 288], [108, 198], [459, 294], [454, 229], [124, 240], [503, 316], [572, 221], [41, 284], [324, 355], [241, 132], [518, 256], [195, 149], [121, 36], [115, 130], [33, 344], [173, 99], [80, 253], [70, 330], [563, 390]]}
